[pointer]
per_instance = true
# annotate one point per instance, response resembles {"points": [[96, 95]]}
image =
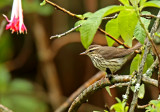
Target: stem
{"points": [[68, 102], [101, 84]]}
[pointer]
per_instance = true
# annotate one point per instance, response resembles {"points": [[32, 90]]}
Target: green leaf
{"points": [[127, 21], [80, 16], [135, 2], [124, 2], [108, 90], [4, 79], [112, 29], [142, 2], [151, 4], [148, 62], [113, 10], [80, 22], [105, 111], [141, 92], [157, 34], [43, 3], [90, 26], [88, 14], [120, 106], [133, 88], [24, 103], [139, 32], [118, 100], [135, 63], [19, 85]]}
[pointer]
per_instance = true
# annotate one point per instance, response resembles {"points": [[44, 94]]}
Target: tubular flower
{"points": [[16, 23]]}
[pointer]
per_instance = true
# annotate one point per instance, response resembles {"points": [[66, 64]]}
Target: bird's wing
{"points": [[112, 52]]}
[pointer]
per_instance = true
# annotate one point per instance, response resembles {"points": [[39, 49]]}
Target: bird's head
{"points": [[93, 49]]}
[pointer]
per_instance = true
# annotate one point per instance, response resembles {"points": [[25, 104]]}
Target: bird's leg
{"points": [[109, 73]]}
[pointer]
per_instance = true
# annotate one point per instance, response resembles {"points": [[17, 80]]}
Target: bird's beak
{"points": [[83, 53]]}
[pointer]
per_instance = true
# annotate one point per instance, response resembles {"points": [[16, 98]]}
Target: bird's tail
{"points": [[137, 47]]}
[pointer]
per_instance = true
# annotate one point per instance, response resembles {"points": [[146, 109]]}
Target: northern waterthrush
{"points": [[109, 59]]}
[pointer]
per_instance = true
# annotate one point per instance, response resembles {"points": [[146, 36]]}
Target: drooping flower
{"points": [[15, 24]]}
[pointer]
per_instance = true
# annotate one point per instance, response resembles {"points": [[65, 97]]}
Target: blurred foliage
{"points": [[7, 2], [30, 6], [18, 94], [34, 7], [6, 47]]}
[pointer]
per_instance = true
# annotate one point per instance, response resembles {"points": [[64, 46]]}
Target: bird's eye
{"points": [[91, 50]]}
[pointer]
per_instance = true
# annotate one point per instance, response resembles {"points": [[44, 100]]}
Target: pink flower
{"points": [[16, 23]]}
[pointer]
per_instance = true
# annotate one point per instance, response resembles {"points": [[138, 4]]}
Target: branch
{"points": [[140, 71], [116, 40], [74, 15], [68, 102], [101, 84]]}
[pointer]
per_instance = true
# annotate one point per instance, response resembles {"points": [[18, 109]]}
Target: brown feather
{"points": [[112, 52]]}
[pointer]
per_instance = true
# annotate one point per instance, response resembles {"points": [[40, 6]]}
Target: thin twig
{"points": [[112, 17], [118, 41], [150, 16], [68, 102], [65, 33], [125, 97], [62, 9], [119, 85], [103, 83], [143, 106]]}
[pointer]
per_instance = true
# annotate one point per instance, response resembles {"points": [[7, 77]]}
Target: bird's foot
{"points": [[109, 76]]}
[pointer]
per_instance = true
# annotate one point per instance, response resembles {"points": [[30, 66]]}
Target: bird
{"points": [[109, 59]]}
